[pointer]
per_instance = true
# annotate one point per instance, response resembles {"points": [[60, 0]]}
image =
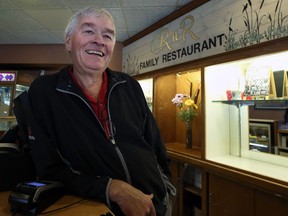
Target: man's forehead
{"points": [[90, 22]]}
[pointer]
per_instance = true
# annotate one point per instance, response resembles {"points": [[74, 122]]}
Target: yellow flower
{"points": [[189, 102]]}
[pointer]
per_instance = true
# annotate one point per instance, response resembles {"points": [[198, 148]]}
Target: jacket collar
{"points": [[65, 83]]}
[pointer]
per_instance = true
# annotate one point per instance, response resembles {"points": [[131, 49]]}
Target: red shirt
{"points": [[99, 105]]}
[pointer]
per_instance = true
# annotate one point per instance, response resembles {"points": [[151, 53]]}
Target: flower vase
{"points": [[189, 134]]}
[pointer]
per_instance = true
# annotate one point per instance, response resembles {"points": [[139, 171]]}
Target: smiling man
{"points": [[101, 140]]}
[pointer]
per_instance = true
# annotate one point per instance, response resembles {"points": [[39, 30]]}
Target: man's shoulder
{"points": [[48, 80], [119, 75]]}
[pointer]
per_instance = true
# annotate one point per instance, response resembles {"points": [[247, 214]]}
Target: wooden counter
{"points": [[179, 148], [82, 208], [225, 184]]}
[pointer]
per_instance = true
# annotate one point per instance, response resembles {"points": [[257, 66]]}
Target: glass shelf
{"points": [[239, 103]]}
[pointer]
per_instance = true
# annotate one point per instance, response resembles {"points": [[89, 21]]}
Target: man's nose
{"points": [[98, 38]]}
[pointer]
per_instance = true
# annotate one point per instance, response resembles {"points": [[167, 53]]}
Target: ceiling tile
{"points": [[140, 14], [7, 4], [44, 21], [122, 35], [183, 2], [155, 3], [40, 37], [148, 3], [7, 37], [78, 4], [18, 20], [119, 18], [51, 19], [39, 4], [59, 34]]}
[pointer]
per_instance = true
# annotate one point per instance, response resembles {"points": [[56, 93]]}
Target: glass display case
{"points": [[6, 97], [8, 91], [229, 137]]}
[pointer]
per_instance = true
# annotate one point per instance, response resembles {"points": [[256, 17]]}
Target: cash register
{"points": [[32, 197]]}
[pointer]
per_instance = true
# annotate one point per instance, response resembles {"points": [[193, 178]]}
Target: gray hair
{"points": [[86, 12]]}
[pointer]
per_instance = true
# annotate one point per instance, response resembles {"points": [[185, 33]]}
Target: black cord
{"points": [[54, 210]]}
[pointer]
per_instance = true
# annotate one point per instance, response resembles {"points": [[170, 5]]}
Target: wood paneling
{"points": [[270, 204], [276, 114], [51, 58], [26, 77], [164, 110], [228, 198]]}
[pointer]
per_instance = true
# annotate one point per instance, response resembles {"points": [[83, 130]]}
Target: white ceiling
{"points": [[44, 21]]}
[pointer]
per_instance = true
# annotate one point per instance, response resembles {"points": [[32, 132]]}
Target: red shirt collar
{"points": [[103, 89]]}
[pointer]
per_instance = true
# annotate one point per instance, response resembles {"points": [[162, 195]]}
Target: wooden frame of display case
{"points": [[196, 157]]}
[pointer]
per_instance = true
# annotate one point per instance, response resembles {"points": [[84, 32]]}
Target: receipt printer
{"points": [[30, 198]]}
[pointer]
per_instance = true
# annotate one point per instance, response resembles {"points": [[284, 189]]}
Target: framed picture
{"points": [[257, 81]]}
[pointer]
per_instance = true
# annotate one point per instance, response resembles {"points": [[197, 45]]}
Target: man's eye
{"points": [[108, 36], [89, 32]]}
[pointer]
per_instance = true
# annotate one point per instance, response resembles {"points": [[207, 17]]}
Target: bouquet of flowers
{"points": [[187, 104]]}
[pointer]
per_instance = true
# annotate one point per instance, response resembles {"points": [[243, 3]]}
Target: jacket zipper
{"points": [[111, 138]]}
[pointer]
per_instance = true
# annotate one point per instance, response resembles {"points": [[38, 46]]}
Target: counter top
{"points": [[179, 148], [80, 208]]}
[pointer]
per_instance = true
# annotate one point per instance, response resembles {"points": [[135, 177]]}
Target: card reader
{"points": [[31, 198]]}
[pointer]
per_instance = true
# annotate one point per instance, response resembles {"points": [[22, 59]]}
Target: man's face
{"points": [[91, 44]]}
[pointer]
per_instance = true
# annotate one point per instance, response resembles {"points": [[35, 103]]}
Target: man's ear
{"points": [[68, 44]]}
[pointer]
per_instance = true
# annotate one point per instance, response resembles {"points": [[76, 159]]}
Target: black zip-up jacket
{"points": [[76, 151]]}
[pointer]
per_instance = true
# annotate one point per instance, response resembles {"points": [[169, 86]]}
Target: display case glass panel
{"points": [[147, 87], [5, 100], [20, 89], [7, 122], [227, 116]]}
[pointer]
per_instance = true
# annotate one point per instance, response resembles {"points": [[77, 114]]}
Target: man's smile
{"points": [[95, 52]]}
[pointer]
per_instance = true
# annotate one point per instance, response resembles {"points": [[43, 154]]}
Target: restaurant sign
{"points": [[215, 27]]}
